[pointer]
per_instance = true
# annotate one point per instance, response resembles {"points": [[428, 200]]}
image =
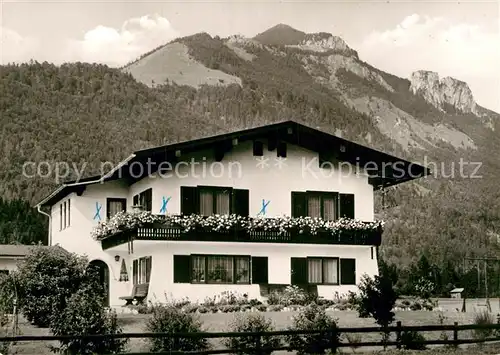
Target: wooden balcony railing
{"points": [[354, 237]]}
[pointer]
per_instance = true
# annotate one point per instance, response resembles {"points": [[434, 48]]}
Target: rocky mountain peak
{"points": [[285, 35], [325, 42], [444, 91]]}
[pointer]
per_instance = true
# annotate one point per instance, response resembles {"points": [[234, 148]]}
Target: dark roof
{"points": [[289, 131], [18, 250]]}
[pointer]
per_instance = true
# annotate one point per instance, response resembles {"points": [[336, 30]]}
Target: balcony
{"points": [[258, 232]]}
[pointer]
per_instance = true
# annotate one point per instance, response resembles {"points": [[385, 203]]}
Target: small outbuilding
{"points": [[456, 293]]}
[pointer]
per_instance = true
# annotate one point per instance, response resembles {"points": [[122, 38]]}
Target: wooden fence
{"points": [[259, 349]]}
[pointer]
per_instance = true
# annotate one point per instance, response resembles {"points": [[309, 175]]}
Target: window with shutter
{"points": [[322, 271], [144, 199], [346, 205], [182, 269], [115, 205], [260, 270], [348, 271], [298, 271]]}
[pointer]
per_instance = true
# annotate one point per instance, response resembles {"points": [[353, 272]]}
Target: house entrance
{"points": [[102, 270]]}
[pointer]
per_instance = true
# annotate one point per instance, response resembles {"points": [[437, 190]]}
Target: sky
{"points": [[457, 39]]}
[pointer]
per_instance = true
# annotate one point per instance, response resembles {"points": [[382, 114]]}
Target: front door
{"points": [[103, 277]]}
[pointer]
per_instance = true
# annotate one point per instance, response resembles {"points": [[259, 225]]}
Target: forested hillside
{"points": [[87, 113]]}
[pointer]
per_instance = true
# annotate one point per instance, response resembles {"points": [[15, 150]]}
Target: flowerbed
{"points": [[292, 298], [126, 221]]}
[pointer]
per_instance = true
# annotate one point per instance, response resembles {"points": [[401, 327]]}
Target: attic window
{"points": [[258, 149], [281, 150], [342, 148]]}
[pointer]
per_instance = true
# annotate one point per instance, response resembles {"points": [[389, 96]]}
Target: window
{"points": [[281, 150], [322, 271], [144, 199], [209, 200], [64, 215], [215, 201], [141, 270], [218, 269], [322, 205], [258, 148], [326, 205], [115, 205]]}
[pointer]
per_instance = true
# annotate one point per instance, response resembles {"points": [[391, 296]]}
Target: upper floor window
{"points": [[115, 205], [209, 200], [144, 199], [64, 214], [326, 205]]}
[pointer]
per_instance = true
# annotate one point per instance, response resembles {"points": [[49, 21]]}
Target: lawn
{"points": [[218, 322]]}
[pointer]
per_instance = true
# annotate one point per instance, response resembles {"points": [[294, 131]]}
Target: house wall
{"points": [[238, 169], [279, 266], [77, 237], [9, 263]]}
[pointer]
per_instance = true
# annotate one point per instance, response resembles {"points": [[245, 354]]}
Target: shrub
{"points": [[167, 318], [483, 318], [313, 317], [247, 345], [85, 314], [377, 299], [412, 340], [46, 280], [291, 295]]}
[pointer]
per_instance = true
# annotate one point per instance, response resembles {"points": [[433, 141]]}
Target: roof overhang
{"points": [[384, 170]]}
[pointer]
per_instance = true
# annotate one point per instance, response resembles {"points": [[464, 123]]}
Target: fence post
{"points": [[455, 334], [332, 336], [398, 334], [258, 345]]}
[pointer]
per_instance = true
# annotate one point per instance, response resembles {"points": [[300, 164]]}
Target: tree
{"points": [[84, 314], [46, 279], [377, 298]]}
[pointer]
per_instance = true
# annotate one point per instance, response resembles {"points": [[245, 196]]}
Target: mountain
{"points": [[200, 85]]}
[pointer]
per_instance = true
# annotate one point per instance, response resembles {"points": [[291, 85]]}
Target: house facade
{"points": [[229, 213]]}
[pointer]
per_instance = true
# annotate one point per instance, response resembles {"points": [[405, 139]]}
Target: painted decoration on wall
{"points": [[123, 271], [263, 208], [164, 202], [97, 215]]}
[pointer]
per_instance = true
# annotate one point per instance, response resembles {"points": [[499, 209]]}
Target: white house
{"points": [[11, 255], [269, 175]]}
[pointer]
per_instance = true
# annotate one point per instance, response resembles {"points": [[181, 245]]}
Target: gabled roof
{"points": [[17, 250], [328, 145]]}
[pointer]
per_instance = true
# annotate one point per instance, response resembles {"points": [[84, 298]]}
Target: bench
{"points": [[139, 293]]}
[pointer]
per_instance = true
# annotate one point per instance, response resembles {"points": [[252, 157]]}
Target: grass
{"points": [[218, 322]]}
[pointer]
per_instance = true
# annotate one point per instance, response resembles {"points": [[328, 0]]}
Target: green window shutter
{"points": [[346, 203], [298, 271], [182, 268], [189, 200], [348, 271], [241, 202], [260, 270], [299, 206], [135, 270]]}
